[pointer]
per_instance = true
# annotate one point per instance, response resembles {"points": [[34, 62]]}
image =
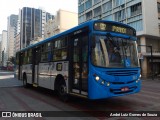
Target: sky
{"points": [[8, 7]]}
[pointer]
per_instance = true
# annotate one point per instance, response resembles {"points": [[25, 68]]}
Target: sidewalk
{"points": [[7, 79], [151, 79]]}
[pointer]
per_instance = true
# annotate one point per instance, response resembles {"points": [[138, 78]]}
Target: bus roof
{"points": [[88, 23]]}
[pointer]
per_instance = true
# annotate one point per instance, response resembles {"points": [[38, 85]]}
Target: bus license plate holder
{"points": [[124, 89]]}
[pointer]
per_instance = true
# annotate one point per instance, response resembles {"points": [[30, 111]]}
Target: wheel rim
{"points": [[62, 90]]}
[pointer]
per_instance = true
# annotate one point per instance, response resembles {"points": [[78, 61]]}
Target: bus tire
{"points": [[25, 84], [62, 91]]}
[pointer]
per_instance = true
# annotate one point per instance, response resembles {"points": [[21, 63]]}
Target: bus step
{"points": [[35, 85]]}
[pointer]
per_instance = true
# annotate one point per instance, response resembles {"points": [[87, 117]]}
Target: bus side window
{"points": [[46, 53], [38, 56], [60, 49]]}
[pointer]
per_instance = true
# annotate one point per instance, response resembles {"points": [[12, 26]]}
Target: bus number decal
{"points": [[59, 67]]}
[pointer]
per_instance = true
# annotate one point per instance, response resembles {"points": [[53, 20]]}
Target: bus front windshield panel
{"points": [[114, 52]]}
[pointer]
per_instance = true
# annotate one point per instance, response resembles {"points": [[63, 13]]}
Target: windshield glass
{"points": [[114, 52]]}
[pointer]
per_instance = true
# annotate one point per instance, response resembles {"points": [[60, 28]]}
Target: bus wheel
{"points": [[62, 92], [25, 81]]}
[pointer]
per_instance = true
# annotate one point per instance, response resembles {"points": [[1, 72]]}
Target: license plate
{"points": [[124, 89]]}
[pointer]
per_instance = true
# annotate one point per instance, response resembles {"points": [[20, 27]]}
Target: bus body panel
{"points": [[112, 83], [49, 71], [36, 74], [44, 79]]}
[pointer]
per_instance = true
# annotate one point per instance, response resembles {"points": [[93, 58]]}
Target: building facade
{"points": [[32, 25], [143, 15], [11, 28], [17, 43], [4, 48], [62, 21], [0, 50]]}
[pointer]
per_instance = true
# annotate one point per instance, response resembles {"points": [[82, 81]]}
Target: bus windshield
{"points": [[114, 52]]}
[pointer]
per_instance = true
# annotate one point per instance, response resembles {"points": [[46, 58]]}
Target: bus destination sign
{"points": [[119, 29], [111, 27]]}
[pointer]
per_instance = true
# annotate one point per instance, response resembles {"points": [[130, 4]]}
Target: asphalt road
{"points": [[13, 97]]}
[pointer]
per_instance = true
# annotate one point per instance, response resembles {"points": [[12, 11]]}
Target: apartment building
{"points": [[0, 50], [11, 28], [32, 23], [17, 43], [4, 48], [62, 21], [143, 15]]}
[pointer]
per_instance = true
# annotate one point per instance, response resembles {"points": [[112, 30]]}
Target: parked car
{"points": [[10, 68]]}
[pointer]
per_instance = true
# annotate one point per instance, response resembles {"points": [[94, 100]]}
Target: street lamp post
{"points": [[151, 58]]}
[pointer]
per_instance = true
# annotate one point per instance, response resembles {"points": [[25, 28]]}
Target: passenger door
{"points": [[36, 59], [79, 64]]}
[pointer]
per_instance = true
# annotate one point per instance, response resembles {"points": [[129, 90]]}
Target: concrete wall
{"points": [[63, 21], [67, 19], [150, 17]]}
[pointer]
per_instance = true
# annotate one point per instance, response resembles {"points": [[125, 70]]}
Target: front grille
{"points": [[122, 72], [118, 83], [130, 81]]}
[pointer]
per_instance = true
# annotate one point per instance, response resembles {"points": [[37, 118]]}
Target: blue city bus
{"points": [[95, 60]]}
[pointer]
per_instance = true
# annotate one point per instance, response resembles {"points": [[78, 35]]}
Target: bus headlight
{"points": [[137, 80], [108, 84], [140, 76], [102, 82], [97, 78]]}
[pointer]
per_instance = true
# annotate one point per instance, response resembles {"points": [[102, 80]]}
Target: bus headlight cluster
{"points": [[102, 82], [138, 78]]}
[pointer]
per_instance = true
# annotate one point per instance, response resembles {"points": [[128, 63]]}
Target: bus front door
{"points": [[79, 65]]}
